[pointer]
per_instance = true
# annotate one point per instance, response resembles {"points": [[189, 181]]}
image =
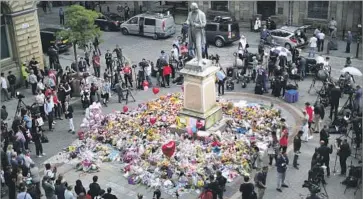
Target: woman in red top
{"points": [[310, 111], [284, 140], [96, 64], [57, 106], [166, 74]]}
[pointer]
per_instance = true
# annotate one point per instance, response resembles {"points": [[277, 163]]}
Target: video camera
{"points": [[19, 95], [313, 187], [214, 58]]}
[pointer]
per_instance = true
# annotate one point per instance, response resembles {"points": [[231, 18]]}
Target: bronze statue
{"points": [[196, 21]]}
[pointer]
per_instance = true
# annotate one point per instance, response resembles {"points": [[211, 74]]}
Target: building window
{"points": [[5, 50], [219, 5], [318, 9]]}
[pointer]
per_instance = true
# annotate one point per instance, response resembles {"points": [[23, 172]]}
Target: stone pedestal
{"points": [[200, 93]]}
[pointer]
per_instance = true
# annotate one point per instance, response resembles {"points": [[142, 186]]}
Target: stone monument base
{"points": [[200, 94], [209, 118]]}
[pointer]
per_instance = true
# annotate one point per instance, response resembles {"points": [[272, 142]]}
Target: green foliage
{"points": [[80, 25]]}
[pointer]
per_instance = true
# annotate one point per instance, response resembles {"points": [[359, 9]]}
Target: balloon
{"points": [[156, 90], [146, 88], [169, 149], [152, 120], [145, 83], [199, 124], [194, 129], [125, 109], [163, 118]]}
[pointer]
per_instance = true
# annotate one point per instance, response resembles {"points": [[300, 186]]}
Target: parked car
{"points": [[153, 25], [109, 21], [49, 37], [222, 31], [290, 36]]}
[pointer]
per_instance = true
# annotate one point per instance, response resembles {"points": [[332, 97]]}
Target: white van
{"points": [[153, 25]]}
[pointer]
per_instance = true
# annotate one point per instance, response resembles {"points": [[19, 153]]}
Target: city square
{"points": [[177, 128]]}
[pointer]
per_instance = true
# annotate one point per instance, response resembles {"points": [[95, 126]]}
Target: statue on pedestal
{"points": [[196, 21]]}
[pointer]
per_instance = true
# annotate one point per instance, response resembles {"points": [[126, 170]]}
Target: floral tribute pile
{"points": [[153, 153]]}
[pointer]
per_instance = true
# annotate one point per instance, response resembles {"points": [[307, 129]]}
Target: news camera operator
{"points": [[319, 114], [343, 153], [335, 95], [325, 152]]}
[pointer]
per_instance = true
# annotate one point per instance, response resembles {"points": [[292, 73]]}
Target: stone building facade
{"points": [[348, 14], [20, 36]]}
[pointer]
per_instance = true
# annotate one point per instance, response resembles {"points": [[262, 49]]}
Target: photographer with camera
{"points": [[343, 152], [325, 152]]}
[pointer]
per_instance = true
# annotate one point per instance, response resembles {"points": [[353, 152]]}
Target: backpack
{"points": [[253, 195], [206, 194]]}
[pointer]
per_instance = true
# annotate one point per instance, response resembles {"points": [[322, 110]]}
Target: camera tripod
{"points": [[19, 107]]}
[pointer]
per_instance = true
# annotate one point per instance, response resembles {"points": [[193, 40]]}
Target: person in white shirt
{"points": [[321, 37], [148, 72], [316, 31], [312, 45], [40, 100], [48, 109], [68, 193], [40, 85], [332, 25], [4, 88], [257, 25], [33, 81]]}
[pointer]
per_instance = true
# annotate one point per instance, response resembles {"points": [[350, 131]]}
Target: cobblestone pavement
{"points": [[136, 48]]}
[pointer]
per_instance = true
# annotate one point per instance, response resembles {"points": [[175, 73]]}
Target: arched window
{"points": [[5, 38]]}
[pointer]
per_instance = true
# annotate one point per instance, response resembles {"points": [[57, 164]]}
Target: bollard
{"points": [[251, 25]]}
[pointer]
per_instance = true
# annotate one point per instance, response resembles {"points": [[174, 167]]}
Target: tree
{"points": [[80, 27]]}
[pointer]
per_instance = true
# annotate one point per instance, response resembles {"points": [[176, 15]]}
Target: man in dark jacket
{"points": [[324, 135], [213, 186], [281, 165], [297, 146], [94, 187], [335, 95], [108, 58], [319, 114], [53, 56], [302, 67], [119, 90], [344, 153], [12, 82], [324, 152], [222, 184]]}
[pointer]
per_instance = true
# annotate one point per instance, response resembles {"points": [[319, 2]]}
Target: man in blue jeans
{"points": [[281, 165]]}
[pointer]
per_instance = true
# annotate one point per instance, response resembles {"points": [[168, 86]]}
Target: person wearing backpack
{"points": [[222, 181], [211, 190], [260, 182], [247, 189]]}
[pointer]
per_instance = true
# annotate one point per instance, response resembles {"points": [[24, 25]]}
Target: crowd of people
{"points": [[54, 88]]}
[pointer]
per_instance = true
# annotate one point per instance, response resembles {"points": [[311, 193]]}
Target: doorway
{"points": [[266, 8]]}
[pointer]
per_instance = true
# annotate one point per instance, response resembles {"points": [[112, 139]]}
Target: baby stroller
{"points": [[229, 84]]}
